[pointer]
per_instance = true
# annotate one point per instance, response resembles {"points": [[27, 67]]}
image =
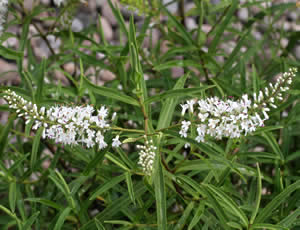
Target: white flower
{"points": [[184, 108], [147, 156], [190, 104], [228, 118], [187, 145], [184, 128], [65, 125], [113, 117], [203, 116], [100, 140], [59, 2], [103, 112], [116, 143]]}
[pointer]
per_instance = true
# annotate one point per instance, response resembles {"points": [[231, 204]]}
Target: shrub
{"points": [[164, 126]]}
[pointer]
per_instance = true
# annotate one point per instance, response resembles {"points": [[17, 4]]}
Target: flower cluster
{"points": [[59, 2], [227, 118], [147, 156], [3, 14], [66, 125]]}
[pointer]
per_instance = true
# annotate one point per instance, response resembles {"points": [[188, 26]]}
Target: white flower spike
{"points": [[232, 119], [65, 125]]}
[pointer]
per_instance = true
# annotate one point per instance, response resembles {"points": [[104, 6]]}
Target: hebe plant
{"points": [[217, 148]]}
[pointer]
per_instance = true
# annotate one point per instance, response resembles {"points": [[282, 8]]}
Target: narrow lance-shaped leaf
{"points": [[130, 186], [276, 201], [106, 186], [181, 29], [229, 202], [222, 26], [218, 209], [183, 219], [111, 93], [197, 216], [62, 217], [258, 196], [30, 221], [273, 144], [35, 146], [5, 133], [60, 182], [168, 106], [12, 195], [177, 93], [268, 226], [290, 219], [160, 194], [40, 81]]}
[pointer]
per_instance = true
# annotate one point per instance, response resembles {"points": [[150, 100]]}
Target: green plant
{"points": [[228, 160]]}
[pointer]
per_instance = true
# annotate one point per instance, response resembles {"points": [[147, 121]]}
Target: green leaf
{"points": [[268, 226], [35, 147], [40, 81], [194, 184], [4, 134], [4, 209], [61, 184], [273, 144], [106, 186], [178, 63], [110, 93], [62, 217], [255, 80], [116, 206], [18, 162], [290, 219], [160, 195], [275, 202], [117, 161], [10, 54], [46, 202], [99, 225], [101, 32], [258, 195], [181, 29], [99, 156], [235, 225], [169, 105], [130, 186], [186, 214], [118, 17], [30, 221], [218, 209], [121, 222], [91, 60], [229, 203], [235, 53], [222, 26], [197, 216], [178, 93], [13, 215], [12, 195], [125, 158], [293, 156], [28, 128]]}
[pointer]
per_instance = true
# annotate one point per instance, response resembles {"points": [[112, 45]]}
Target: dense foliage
{"points": [[189, 133]]}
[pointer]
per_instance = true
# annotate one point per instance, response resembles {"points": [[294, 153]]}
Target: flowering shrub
{"points": [[129, 132]]}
